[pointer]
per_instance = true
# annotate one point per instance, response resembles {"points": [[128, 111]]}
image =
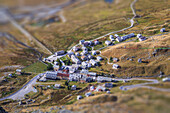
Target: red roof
{"points": [[63, 74]]}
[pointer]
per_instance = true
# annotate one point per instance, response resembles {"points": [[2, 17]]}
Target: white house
{"points": [[57, 86], [51, 75], [90, 43], [89, 65], [84, 48], [79, 97], [81, 42], [75, 59], [77, 54], [162, 30], [111, 38], [18, 71], [142, 38], [91, 88], [84, 57], [88, 94], [139, 35], [100, 88], [99, 58], [108, 85], [93, 62], [119, 39], [90, 56], [115, 66], [73, 87], [94, 53], [166, 79], [116, 35], [107, 42], [103, 79], [84, 53], [58, 53], [75, 49], [84, 64], [96, 42]]}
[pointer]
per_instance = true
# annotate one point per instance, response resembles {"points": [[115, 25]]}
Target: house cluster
{"points": [[120, 39], [78, 75], [104, 88]]}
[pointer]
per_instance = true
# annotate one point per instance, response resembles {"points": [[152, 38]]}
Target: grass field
{"points": [[37, 67]]}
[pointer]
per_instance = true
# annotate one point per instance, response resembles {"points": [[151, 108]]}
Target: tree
{"points": [[59, 63], [50, 66], [67, 83], [111, 59]]}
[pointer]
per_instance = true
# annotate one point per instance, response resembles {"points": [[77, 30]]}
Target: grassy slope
{"points": [[154, 16], [86, 21]]}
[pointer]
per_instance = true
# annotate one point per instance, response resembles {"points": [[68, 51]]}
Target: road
{"points": [[28, 87], [142, 85]]}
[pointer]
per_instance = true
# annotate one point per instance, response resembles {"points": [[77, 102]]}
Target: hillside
{"points": [[144, 50]]}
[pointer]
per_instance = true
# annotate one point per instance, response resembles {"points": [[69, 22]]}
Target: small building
{"points": [[62, 52], [81, 42], [140, 60], [77, 54], [108, 92], [86, 43], [73, 87], [115, 59], [56, 67], [139, 35], [70, 53], [79, 97], [162, 30], [57, 86], [75, 49], [99, 58], [84, 53], [92, 74], [107, 42], [84, 65], [142, 38], [90, 56], [51, 75], [92, 88], [84, 58], [115, 66], [119, 39], [116, 35], [96, 42], [93, 62], [88, 94], [103, 79], [166, 79], [94, 53], [89, 65], [18, 71], [111, 38], [100, 88], [90, 43], [108, 85], [56, 63], [84, 48], [75, 59]]}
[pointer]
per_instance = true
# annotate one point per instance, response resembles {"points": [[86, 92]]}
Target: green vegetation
{"points": [[37, 67]]}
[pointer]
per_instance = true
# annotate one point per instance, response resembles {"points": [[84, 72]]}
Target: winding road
{"points": [[142, 85]]}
